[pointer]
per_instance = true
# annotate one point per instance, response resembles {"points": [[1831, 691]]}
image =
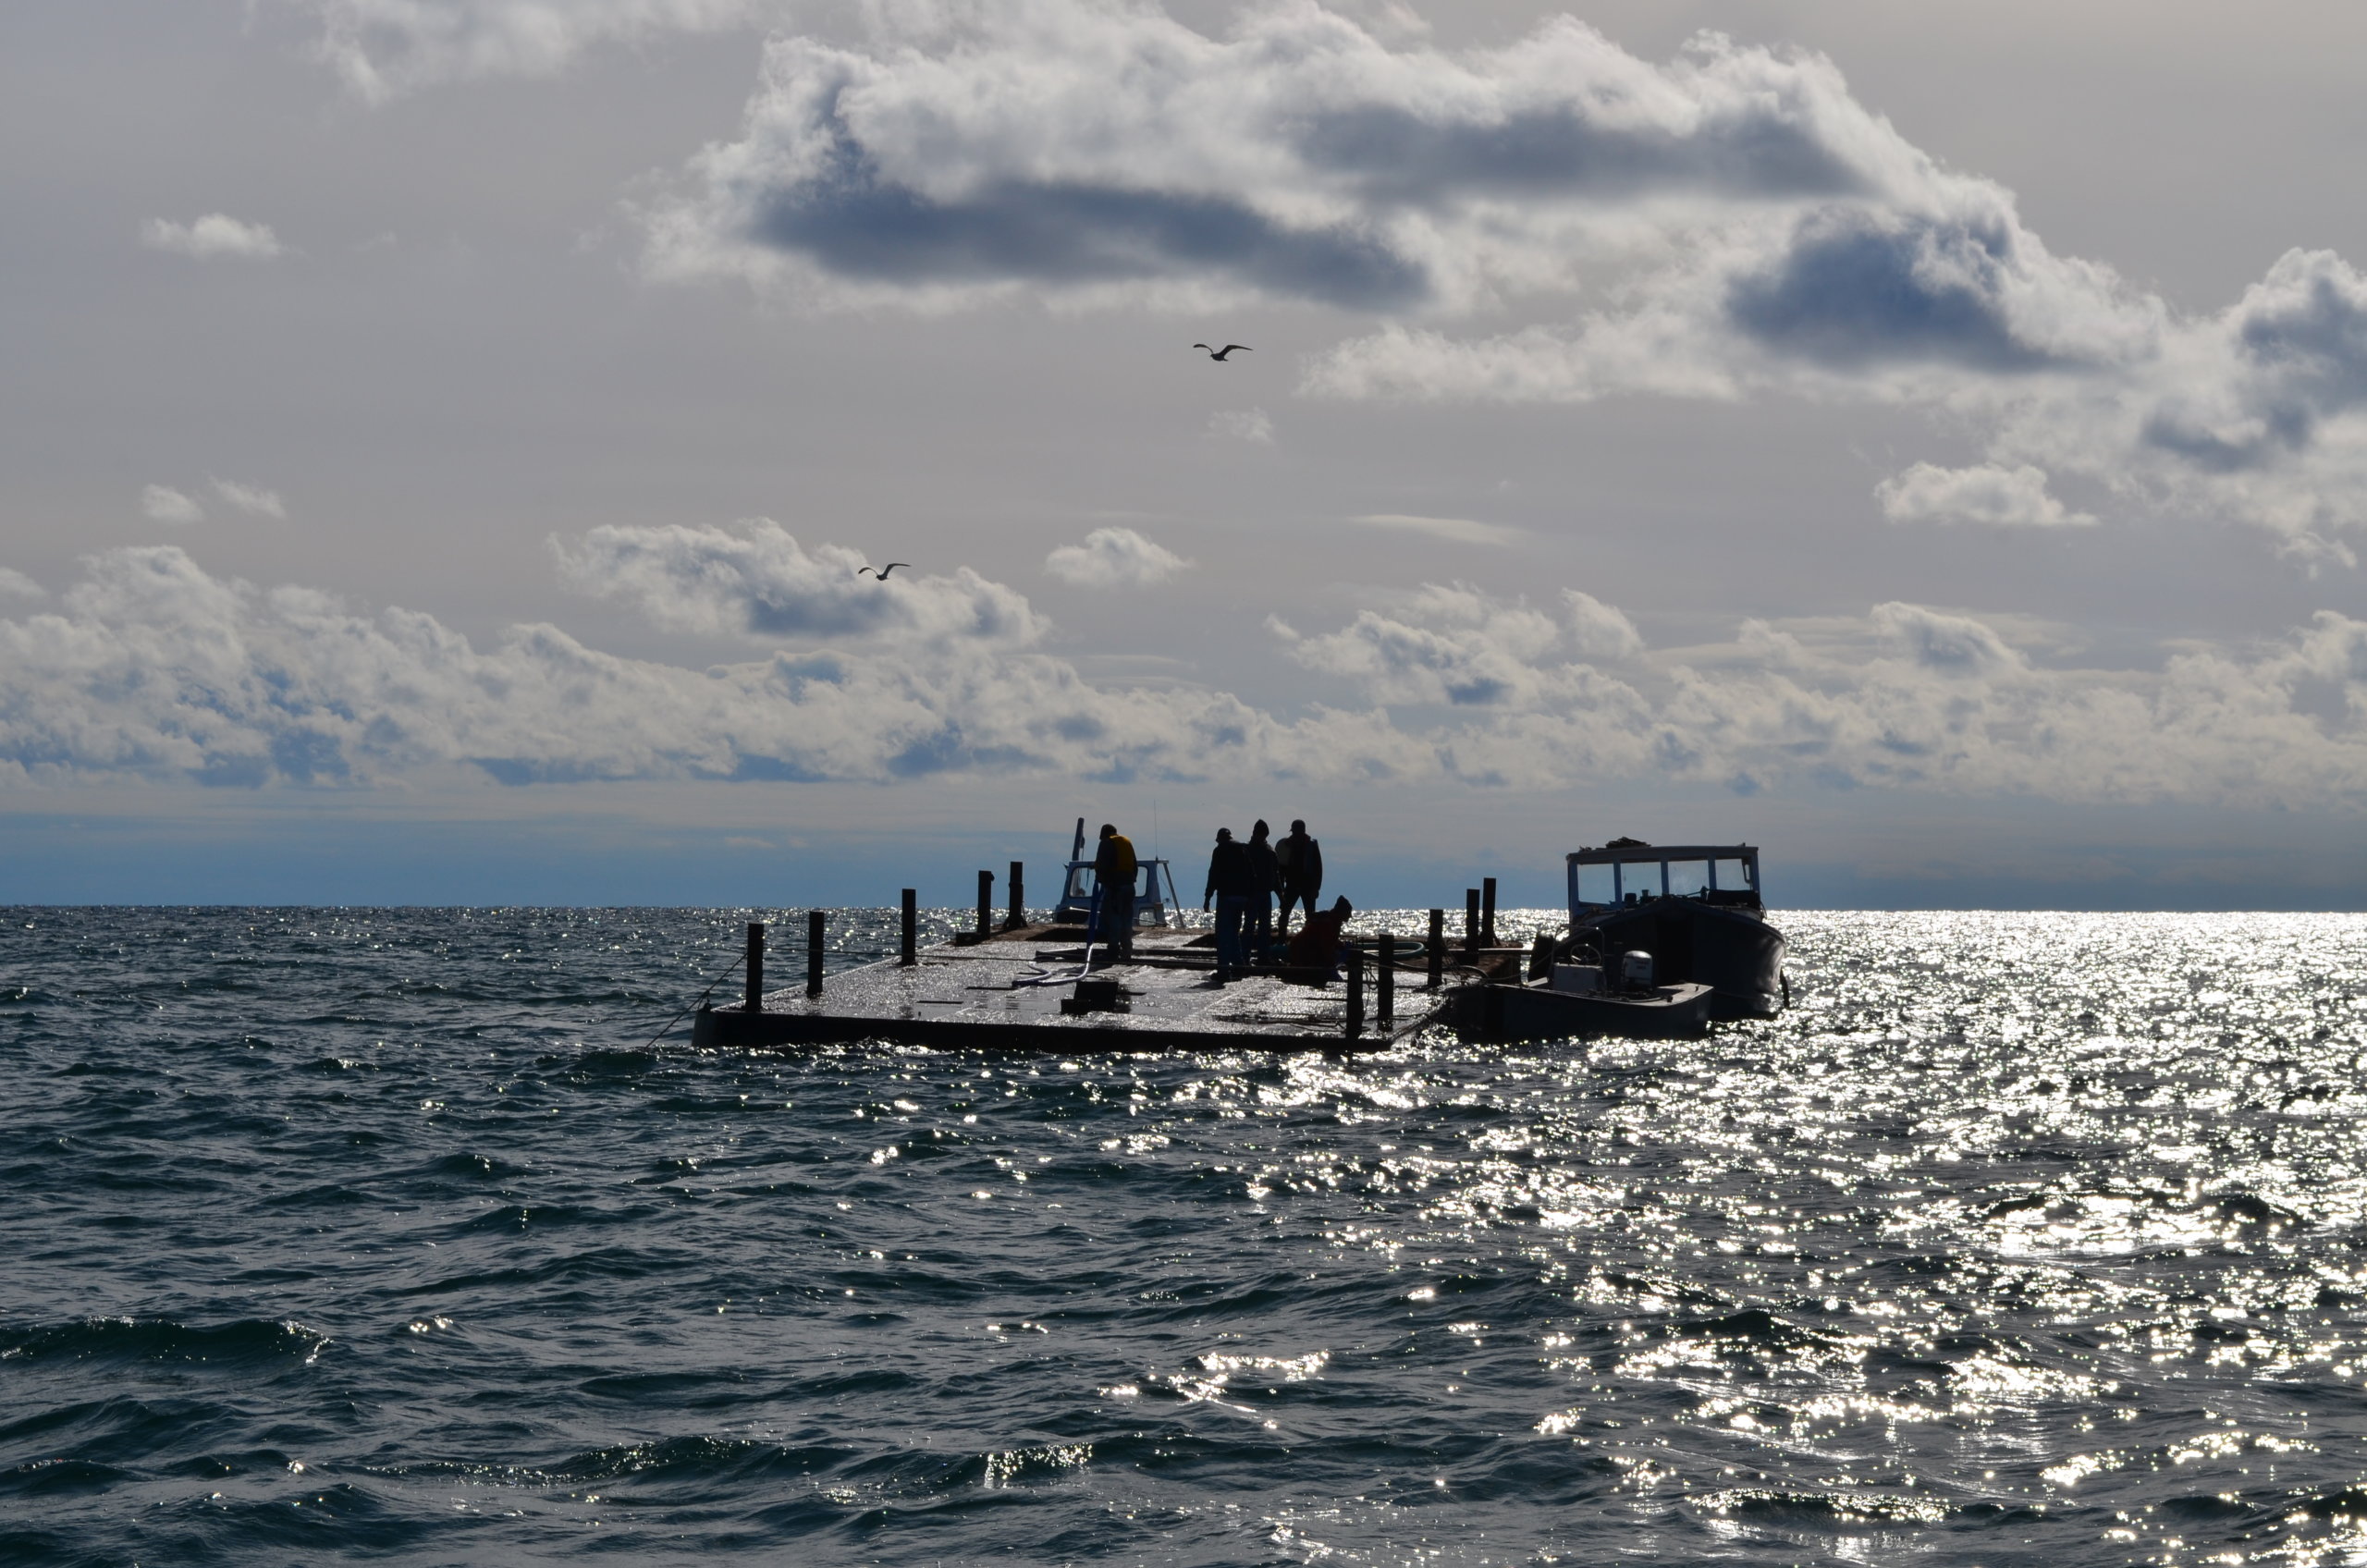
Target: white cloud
{"points": [[384, 48], [162, 503], [215, 234], [1729, 223], [1242, 425], [15, 584], [251, 499], [1113, 558], [760, 582], [1454, 529], [149, 668], [2004, 497]]}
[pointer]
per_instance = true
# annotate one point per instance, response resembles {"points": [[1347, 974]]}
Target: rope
{"points": [[703, 997]]}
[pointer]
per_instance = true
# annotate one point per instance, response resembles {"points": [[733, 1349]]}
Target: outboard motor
{"points": [[1636, 970]]}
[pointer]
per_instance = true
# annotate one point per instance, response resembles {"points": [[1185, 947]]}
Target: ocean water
{"points": [[385, 1235]]}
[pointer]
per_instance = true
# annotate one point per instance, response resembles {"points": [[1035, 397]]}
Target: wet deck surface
{"points": [[986, 995]]}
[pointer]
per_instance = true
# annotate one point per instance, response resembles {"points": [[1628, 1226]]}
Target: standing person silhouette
{"points": [[1267, 872], [1114, 868], [1302, 864], [1229, 884]]}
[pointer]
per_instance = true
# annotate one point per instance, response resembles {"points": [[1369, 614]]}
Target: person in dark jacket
{"points": [[1301, 859], [1230, 882], [1267, 872], [1114, 869]]}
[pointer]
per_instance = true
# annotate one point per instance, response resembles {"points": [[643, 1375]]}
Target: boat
{"points": [[1664, 940]]}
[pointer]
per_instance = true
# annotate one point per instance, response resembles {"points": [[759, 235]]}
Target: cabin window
{"points": [[1687, 877], [1731, 876], [1594, 884]]}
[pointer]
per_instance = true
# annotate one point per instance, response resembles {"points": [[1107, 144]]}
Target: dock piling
{"points": [[753, 998], [1471, 925], [1385, 997], [1438, 949], [813, 952], [1018, 916], [985, 904], [1354, 1024], [909, 953], [1486, 912]]}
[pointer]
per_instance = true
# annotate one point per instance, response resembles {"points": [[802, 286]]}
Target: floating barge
{"points": [[1658, 950], [1028, 988]]}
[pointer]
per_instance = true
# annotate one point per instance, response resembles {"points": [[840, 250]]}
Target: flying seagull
{"points": [[1221, 353], [883, 571]]}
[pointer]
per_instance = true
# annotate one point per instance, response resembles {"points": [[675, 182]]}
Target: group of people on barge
{"points": [[1245, 881]]}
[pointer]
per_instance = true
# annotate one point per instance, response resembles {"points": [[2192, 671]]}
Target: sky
{"points": [[439, 441]]}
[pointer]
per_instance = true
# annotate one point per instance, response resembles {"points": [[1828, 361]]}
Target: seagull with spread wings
{"points": [[883, 571], [1219, 354]]}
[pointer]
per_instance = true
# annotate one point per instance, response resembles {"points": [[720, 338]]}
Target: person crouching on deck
{"points": [[1319, 945], [1113, 873]]}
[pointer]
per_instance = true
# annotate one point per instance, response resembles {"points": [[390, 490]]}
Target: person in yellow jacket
{"points": [[1114, 869]]}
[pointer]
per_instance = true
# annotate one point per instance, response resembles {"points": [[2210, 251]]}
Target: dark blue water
{"points": [[380, 1235]]}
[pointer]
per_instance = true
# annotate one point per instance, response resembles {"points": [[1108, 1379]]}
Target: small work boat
{"points": [[1662, 940]]}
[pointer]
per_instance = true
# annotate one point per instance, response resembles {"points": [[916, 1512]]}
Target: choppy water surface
{"points": [[2022, 1239]]}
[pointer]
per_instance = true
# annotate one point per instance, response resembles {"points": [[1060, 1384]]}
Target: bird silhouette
{"points": [[883, 571], [1219, 353]]}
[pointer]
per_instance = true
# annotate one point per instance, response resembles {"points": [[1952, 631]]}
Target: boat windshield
{"points": [[1630, 872]]}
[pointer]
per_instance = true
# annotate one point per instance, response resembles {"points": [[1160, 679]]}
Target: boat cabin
{"points": [[1628, 871]]}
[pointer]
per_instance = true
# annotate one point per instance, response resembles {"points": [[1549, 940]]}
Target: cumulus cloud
{"points": [[2004, 497], [15, 584], [384, 48], [151, 667], [1113, 558], [758, 581], [215, 234], [1454, 529], [1242, 425], [252, 499], [162, 503], [1450, 643], [1729, 222]]}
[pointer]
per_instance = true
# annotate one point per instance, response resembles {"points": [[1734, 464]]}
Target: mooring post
{"points": [[909, 954], [1385, 991], [1355, 1024], [985, 904], [1438, 949], [813, 952], [1018, 897], [753, 999], [1471, 925], [1488, 911]]}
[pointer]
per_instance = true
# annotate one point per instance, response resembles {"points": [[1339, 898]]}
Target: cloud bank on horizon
{"points": [[149, 667]]}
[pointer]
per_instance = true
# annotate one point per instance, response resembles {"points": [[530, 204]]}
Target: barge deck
{"points": [[991, 994]]}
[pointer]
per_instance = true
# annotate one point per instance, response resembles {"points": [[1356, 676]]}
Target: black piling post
{"points": [[1438, 949], [985, 904], [1488, 911], [1018, 897], [813, 952], [1355, 1024], [1471, 925], [1385, 989], [753, 999], [909, 954]]}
